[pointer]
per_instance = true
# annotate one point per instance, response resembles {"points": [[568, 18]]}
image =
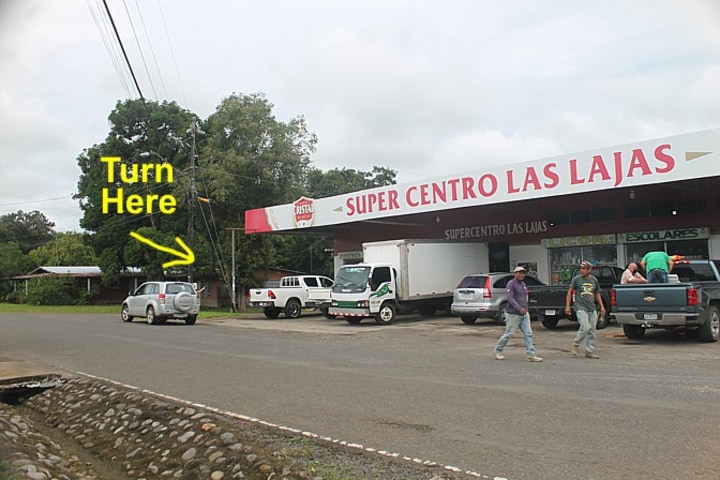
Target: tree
{"points": [[67, 248], [28, 230], [251, 160], [141, 134]]}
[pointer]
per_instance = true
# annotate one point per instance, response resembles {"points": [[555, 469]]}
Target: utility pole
{"points": [[191, 204]]}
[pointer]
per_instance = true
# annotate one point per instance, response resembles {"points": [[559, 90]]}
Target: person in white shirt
{"points": [[631, 275]]}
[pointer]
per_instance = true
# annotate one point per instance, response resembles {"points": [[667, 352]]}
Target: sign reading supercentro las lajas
{"points": [[680, 157]]}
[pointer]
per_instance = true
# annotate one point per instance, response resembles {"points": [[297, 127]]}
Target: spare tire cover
{"points": [[184, 301]]}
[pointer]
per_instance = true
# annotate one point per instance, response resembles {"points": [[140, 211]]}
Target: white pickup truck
{"points": [[295, 293]]}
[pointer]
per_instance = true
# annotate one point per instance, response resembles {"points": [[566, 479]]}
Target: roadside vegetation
{"points": [[111, 309], [240, 158]]}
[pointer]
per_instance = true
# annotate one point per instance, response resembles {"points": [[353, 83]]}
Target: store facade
{"points": [[608, 206]]}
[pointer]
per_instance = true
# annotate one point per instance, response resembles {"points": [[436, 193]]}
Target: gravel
{"points": [[89, 429]]}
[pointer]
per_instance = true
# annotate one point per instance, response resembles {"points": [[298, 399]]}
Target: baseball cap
{"points": [[519, 269], [586, 264]]}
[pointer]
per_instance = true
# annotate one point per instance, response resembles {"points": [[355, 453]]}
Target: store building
{"points": [[609, 206]]}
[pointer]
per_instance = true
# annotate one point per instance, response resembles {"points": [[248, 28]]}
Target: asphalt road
{"points": [[426, 388]]}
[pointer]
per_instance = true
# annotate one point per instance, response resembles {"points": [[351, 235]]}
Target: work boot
{"points": [[499, 356], [574, 351], [592, 355], [533, 358]]}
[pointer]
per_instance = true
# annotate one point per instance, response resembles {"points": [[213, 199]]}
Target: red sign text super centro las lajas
{"points": [[549, 177]]}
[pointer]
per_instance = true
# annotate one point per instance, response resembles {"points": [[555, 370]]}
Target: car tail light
{"points": [[613, 300], [692, 297], [271, 294], [486, 292], [161, 298]]}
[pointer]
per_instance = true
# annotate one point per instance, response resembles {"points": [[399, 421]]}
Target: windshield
{"points": [[350, 276]]}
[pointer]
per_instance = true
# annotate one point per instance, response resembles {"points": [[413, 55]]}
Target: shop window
{"points": [[637, 211]]}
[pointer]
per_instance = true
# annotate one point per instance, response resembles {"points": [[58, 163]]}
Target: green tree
{"points": [[250, 160], [142, 134], [28, 230], [13, 262], [67, 248]]}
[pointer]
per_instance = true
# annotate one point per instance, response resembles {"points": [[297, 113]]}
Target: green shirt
{"points": [[656, 260], [585, 291]]}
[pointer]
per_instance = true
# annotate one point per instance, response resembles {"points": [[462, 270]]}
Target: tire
{"points": [[125, 314], [353, 320], [633, 332], [271, 312], [427, 311], [710, 330], [603, 321], [190, 319], [386, 315], [150, 316], [327, 315], [184, 302], [468, 319], [501, 318], [293, 308], [550, 322]]}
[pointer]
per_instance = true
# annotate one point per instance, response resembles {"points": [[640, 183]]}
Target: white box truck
{"points": [[402, 276]]}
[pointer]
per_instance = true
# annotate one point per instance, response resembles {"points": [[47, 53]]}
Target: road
{"points": [[426, 388]]}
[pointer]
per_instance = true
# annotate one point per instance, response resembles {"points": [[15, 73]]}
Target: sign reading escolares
{"points": [[682, 157]]}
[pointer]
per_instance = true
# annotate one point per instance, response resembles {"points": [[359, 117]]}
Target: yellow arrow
{"points": [[186, 258]]}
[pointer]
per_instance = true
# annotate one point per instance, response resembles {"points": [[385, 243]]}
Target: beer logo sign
{"points": [[304, 212]]}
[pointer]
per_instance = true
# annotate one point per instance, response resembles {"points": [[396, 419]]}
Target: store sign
{"points": [[581, 240], [496, 230], [350, 255], [661, 235]]}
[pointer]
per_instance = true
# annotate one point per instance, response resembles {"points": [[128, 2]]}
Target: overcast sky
{"points": [[423, 87]]}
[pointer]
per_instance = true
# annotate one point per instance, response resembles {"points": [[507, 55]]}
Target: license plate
{"points": [[650, 316], [549, 312]]}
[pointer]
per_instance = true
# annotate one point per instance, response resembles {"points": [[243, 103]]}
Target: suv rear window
{"points": [[175, 288], [474, 281]]}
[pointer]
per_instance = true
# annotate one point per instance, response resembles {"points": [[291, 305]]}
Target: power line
{"points": [[122, 47], [142, 56]]}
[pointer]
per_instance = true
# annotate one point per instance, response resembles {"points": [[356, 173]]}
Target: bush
{"points": [[54, 291]]}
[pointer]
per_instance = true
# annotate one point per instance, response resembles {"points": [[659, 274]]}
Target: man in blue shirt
{"points": [[517, 316]]}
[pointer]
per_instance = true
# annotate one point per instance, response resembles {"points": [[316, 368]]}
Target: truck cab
{"points": [[365, 291]]}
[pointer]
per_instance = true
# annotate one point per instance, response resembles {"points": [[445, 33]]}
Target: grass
{"points": [[83, 309]]}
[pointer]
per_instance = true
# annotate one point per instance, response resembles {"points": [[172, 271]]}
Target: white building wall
{"points": [[714, 246]]}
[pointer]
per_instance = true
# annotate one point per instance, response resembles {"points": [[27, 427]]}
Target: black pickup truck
{"points": [[694, 302], [548, 301]]}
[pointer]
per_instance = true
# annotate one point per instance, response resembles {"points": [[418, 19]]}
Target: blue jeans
{"points": [[513, 322], [657, 275], [588, 322]]}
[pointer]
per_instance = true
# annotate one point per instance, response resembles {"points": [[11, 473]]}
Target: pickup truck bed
{"points": [[692, 303]]}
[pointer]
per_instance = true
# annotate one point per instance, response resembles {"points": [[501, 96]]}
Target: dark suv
{"points": [[483, 295]]}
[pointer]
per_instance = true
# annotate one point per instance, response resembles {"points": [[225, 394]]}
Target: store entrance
{"points": [[499, 257]]}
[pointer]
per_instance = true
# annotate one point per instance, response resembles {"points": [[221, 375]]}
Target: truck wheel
{"points": [[603, 321], [353, 320], [190, 319], [386, 314], [327, 314], [634, 332], [501, 318], [468, 319], [710, 330], [293, 308], [549, 321], [427, 311], [271, 312]]}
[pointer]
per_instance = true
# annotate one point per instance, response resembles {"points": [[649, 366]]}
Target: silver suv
{"points": [[158, 301], [483, 295]]}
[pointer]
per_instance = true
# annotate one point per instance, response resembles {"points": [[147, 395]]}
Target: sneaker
{"points": [[533, 358], [499, 356], [574, 351], [591, 355]]}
